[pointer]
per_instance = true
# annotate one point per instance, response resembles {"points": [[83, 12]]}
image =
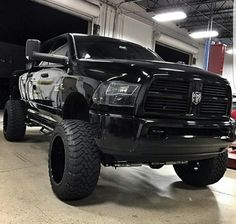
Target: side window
{"points": [[60, 47], [46, 48], [58, 44], [43, 64], [63, 50]]}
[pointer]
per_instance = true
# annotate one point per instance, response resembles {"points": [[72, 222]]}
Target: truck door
{"points": [[28, 87], [49, 83]]}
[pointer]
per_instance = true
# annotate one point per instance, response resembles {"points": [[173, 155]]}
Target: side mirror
{"points": [[32, 53], [32, 46]]}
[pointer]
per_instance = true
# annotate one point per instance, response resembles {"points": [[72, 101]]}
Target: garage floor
{"points": [[124, 195]]}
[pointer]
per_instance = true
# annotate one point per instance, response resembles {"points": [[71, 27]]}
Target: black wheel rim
{"points": [[57, 160]]}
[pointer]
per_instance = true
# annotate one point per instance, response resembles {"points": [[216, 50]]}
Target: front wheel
{"points": [[203, 172], [74, 160]]}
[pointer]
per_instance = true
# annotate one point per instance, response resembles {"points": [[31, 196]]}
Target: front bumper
{"points": [[134, 139]]}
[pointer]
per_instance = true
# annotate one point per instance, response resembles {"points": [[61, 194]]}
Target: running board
{"points": [[46, 131], [42, 121]]}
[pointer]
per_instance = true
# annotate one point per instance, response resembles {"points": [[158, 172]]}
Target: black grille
{"points": [[211, 90], [168, 86], [175, 97], [215, 101], [167, 96], [158, 104], [213, 107]]}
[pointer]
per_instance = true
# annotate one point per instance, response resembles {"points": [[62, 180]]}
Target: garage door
{"points": [[173, 55], [26, 19], [20, 20]]}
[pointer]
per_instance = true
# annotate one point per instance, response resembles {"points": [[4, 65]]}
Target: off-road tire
{"points": [[4, 96], [14, 120], [74, 160], [203, 172]]}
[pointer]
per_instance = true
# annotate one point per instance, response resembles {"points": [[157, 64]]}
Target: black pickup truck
{"points": [[112, 102]]}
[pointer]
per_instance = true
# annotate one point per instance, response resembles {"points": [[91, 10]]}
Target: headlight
{"points": [[116, 93]]}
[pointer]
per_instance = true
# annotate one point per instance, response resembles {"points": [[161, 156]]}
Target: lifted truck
{"points": [[115, 103]]}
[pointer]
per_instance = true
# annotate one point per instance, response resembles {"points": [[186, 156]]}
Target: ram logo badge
{"points": [[196, 97]]}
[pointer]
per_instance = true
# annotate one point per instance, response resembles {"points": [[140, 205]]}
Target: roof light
{"points": [[170, 16], [204, 34]]}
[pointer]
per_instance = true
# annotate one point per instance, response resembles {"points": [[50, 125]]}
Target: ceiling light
{"points": [[169, 16], [231, 51], [204, 34]]}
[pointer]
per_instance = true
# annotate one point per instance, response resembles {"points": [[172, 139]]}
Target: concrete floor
{"points": [[124, 195]]}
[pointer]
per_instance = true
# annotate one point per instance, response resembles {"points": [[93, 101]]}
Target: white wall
{"points": [[126, 28], [200, 56], [136, 31], [228, 72], [134, 24]]}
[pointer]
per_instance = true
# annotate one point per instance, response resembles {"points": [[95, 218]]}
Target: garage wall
{"points": [[170, 34], [200, 56], [228, 71], [176, 43], [126, 28], [135, 31], [144, 31]]}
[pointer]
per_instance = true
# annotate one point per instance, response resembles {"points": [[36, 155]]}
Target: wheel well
{"points": [[15, 92], [14, 84], [76, 107]]}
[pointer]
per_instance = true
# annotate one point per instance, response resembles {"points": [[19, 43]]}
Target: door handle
{"points": [[44, 75], [29, 75]]}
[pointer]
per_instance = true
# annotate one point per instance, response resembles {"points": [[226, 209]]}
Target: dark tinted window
{"points": [[62, 50], [104, 48], [51, 46], [59, 43]]}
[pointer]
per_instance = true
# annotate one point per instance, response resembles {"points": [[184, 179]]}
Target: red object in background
{"points": [[216, 58], [233, 114]]}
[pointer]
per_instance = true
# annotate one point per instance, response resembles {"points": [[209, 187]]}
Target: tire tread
{"points": [[211, 172], [83, 166], [16, 122]]}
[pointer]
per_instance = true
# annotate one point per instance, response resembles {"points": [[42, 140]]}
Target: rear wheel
{"points": [[74, 160], [203, 172], [14, 119], [4, 96]]}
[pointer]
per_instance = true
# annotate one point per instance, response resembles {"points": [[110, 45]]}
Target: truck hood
{"points": [[136, 71]]}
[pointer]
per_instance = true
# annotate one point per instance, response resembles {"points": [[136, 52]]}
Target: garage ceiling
{"points": [[199, 13]]}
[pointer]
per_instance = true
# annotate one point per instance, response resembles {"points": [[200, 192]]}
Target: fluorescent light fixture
{"points": [[231, 51], [169, 16], [204, 34]]}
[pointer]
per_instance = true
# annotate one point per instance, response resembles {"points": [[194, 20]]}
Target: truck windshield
{"points": [[91, 47]]}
